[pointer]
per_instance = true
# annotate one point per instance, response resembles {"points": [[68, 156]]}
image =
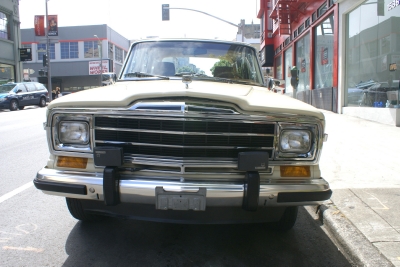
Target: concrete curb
{"points": [[353, 244]]}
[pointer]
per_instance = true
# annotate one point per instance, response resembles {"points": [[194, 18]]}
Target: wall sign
{"points": [[392, 67], [25, 54], [393, 4], [95, 67]]}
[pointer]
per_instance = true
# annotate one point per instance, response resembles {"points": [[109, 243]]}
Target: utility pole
{"points": [[49, 86], [101, 59]]}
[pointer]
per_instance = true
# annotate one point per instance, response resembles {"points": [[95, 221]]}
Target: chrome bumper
{"points": [[273, 192]]}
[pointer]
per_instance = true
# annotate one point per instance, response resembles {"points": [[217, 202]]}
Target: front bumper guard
{"points": [[112, 189]]}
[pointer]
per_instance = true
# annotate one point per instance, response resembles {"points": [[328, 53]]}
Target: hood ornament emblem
{"points": [[186, 79]]}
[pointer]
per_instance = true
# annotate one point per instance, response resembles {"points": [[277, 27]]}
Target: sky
{"points": [[136, 19]]}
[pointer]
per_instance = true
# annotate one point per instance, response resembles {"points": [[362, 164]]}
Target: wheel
{"points": [[288, 219], [77, 211], [13, 105], [42, 102], [21, 107]]}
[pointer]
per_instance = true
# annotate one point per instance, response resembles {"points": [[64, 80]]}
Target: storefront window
{"points": [[323, 72], [303, 62], [6, 73], [373, 55], [288, 67], [278, 64]]}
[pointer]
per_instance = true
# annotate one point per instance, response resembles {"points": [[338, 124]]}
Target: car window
{"points": [[31, 87], [40, 86], [20, 87], [6, 88]]}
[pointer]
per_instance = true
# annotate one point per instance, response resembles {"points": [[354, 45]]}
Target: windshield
{"points": [[6, 88], [203, 60]]}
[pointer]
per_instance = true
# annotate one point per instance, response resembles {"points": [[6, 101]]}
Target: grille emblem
{"points": [[186, 79]]}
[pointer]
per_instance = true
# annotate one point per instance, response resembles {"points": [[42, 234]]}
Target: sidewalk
{"points": [[360, 160]]}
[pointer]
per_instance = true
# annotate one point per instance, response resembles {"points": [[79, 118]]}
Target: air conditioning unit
{"points": [[270, 35]]}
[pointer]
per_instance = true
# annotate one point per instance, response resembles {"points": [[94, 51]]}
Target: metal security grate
{"points": [[184, 137]]}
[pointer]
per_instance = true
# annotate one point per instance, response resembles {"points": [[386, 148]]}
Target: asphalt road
{"points": [[37, 229]]}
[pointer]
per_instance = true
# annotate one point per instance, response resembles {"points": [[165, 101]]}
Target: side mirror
{"points": [[18, 91]]}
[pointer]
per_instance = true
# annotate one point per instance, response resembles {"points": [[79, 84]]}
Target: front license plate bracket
{"points": [[181, 200]]}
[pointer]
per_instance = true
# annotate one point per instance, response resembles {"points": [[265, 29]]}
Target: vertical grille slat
{"points": [[184, 138]]}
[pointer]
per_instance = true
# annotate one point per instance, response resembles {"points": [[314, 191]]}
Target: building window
{"points": [[69, 50], [303, 62], [41, 50], [314, 16], [323, 72], [307, 23], [322, 9], [91, 49], [4, 27], [119, 57], [300, 29], [110, 51]]}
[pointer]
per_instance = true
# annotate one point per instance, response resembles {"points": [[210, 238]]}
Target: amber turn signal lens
{"points": [[72, 162], [295, 171]]}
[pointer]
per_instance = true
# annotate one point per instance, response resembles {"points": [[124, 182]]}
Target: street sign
{"points": [[25, 54]]}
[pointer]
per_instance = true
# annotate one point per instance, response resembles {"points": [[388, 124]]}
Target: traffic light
{"points": [[294, 80], [44, 60], [165, 12]]}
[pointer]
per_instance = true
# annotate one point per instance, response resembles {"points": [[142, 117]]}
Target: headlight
{"points": [[297, 141], [74, 132], [71, 132]]}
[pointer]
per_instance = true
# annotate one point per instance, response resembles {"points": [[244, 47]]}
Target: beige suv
{"points": [[189, 133]]}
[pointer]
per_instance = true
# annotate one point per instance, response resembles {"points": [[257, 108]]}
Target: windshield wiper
{"points": [[193, 74], [226, 80], [143, 75]]}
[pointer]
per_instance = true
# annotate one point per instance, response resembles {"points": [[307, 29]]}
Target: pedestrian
{"points": [[58, 91], [53, 94]]}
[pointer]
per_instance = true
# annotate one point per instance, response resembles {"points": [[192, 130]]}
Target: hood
{"points": [[3, 95], [247, 97]]}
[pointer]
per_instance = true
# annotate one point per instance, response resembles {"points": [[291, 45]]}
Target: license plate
{"points": [[181, 200]]}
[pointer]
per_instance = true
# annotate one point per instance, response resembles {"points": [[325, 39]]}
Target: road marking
{"points": [[15, 191], [380, 202], [24, 249]]}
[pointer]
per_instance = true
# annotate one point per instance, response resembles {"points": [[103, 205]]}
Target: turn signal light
{"points": [[72, 162], [295, 171]]}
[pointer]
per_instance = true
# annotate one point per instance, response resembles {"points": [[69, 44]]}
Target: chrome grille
{"points": [[184, 137]]}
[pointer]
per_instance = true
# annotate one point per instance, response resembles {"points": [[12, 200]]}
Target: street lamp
{"points": [[101, 59]]}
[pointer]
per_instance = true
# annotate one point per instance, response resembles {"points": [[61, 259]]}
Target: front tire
{"points": [[13, 105], [288, 219], [42, 102], [76, 209]]}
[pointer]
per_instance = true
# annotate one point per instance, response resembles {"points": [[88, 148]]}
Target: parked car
{"points": [[189, 134], [16, 96], [108, 78]]}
